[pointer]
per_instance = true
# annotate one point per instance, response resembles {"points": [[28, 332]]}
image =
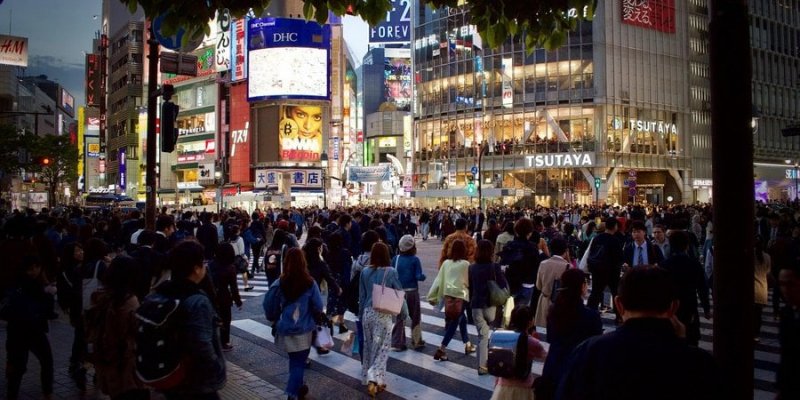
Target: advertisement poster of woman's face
{"points": [[300, 136]]}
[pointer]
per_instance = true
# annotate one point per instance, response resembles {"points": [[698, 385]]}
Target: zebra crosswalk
{"points": [[258, 282], [416, 375]]}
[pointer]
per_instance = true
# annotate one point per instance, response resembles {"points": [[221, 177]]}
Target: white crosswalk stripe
{"points": [[462, 369]]}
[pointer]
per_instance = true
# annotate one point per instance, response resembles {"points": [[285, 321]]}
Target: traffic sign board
{"points": [[632, 172], [632, 192], [474, 170], [632, 184]]}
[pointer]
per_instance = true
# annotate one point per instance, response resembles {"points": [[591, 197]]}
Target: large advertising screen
{"points": [[288, 59], [300, 133], [652, 14], [397, 81]]}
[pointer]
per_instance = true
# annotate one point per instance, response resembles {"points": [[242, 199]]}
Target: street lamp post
{"points": [[324, 161]]}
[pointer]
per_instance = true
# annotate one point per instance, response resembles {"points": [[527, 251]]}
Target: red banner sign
{"points": [[652, 14]]}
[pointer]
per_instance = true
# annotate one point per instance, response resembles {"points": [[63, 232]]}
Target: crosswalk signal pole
{"points": [[152, 105]]}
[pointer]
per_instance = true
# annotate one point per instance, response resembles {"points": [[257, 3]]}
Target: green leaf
{"points": [[133, 5], [321, 13], [308, 11]]}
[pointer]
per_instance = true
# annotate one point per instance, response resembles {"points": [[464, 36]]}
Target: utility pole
{"points": [[732, 139], [152, 106]]}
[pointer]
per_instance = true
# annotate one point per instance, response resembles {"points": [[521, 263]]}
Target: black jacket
{"points": [[613, 252], [690, 282], [654, 255], [787, 377], [479, 276], [643, 359]]}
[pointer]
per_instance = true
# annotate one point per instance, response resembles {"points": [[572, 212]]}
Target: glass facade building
{"points": [[624, 103]]}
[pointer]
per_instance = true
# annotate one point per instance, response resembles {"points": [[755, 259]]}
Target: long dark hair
{"points": [[563, 314], [295, 279], [759, 250], [120, 279], [311, 250]]}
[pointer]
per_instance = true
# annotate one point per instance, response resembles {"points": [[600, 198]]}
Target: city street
{"points": [[257, 369]]}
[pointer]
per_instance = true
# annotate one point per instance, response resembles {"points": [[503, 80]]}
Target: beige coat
{"points": [[761, 271], [549, 270]]}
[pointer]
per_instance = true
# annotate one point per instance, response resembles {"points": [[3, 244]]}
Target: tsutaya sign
{"points": [[653, 126], [560, 160]]}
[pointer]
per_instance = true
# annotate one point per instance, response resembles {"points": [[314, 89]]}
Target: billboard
{"points": [[266, 178], [508, 82], [396, 27], [92, 79], [300, 133], [397, 81], [67, 102], [222, 62], [239, 49], [278, 48], [652, 14], [205, 66], [123, 182], [375, 173], [240, 135], [14, 50]]}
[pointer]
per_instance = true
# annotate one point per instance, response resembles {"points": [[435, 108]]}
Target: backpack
{"points": [[160, 360], [598, 257], [352, 292], [274, 258], [511, 254], [508, 355], [272, 302]]}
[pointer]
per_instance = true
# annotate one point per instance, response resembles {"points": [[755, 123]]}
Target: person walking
{"points": [[569, 322], [762, 270], [377, 325], [240, 258], [293, 305], [605, 263], [340, 261], [29, 306], [483, 313], [113, 325], [223, 275], [520, 388], [452, 282], [409, 272], [548, 279]]}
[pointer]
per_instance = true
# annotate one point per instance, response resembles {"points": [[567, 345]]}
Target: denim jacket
{"points": [[409, 271], [301, 321]]}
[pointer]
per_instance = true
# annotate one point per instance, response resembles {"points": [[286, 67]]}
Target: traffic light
{"points": [[43, 161], [471, 187], [169, 132], [597, 183]]}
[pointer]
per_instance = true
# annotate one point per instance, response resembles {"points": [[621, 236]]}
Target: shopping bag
{"points": [[323, 338], [347, 344], [507, 311]]}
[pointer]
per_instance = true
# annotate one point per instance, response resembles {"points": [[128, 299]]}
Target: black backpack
{"points": [[598, 256], [160, 362]]}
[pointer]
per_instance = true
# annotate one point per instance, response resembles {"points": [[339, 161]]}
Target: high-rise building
{"points": [[619, 113], [123, 33]]}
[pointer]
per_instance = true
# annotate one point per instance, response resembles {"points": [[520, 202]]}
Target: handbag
{"points": [[323, 338], [497, 295], [385, 299], [584, 263], [90, 286], [241, 264], [347, 345], [453, 308]]}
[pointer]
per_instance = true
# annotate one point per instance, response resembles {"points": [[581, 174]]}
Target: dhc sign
{"points": [[561, 160]]}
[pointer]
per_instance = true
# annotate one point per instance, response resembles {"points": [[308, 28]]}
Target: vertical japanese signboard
{"points": [[508, 82]]}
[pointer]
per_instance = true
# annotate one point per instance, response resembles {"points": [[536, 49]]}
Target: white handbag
{"points": [[323, 338], [583, 264], [385, 299], [90, 286]]}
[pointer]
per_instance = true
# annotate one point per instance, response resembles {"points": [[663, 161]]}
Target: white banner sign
{"points": [[14, 50], [222, 61], [266, 178]]}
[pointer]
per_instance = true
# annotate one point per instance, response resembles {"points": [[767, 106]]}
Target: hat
{"points": [[406, 243], [283, 224]]}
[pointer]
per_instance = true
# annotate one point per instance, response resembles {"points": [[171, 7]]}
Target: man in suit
{"points": [[639, 251]]}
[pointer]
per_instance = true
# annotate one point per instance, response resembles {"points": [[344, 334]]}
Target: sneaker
{"points": [[372, 389], [321, 351], [227, 347], [249, 288], [483, 371], [470, 348], [440, 355]]}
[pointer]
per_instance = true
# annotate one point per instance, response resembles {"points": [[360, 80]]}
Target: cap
{"points": [[283, 224], [406, 243]]}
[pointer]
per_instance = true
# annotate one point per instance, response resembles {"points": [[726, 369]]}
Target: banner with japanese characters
{"points": [[268, 178], [652, 14]]}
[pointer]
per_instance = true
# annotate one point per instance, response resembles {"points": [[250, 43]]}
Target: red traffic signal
{"points": [[45, 161]]}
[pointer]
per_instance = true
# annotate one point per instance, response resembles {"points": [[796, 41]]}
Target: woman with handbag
{"points": [[452, 282], [481, 274], [294, 302], [239, 260], [409, 270], [377, 322]]}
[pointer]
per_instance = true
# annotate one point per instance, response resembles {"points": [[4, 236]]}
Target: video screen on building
{"points": [[288, 59], [300, 132], [397, 82]]}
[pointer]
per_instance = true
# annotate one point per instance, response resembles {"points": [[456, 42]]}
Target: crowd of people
{"points": [[110, 275]]}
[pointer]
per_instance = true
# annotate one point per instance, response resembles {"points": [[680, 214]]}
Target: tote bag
{"points": [[90, 286], [385, 299]]}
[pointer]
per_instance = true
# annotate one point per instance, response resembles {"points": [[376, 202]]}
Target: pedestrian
{"points": [[689, 283], [409, 272], [198, 329], [462, 234], [377, 325], [29, 306], [520, 388], [787, 380], [504, 238], [223, 275], [640, 251], [69, 298], [669, 370], [111, 326], [452, 282], [522, 258], [294, 304], [762, 271], [340, 261], [483, 313], [605, 263], [257, 235], [548, 278], [319, 269], [569, 322]]}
